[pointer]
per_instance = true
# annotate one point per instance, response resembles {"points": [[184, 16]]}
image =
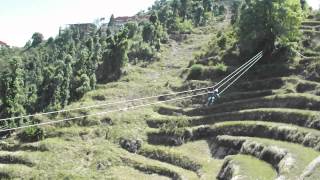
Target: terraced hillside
{"points": [[266, 127]]}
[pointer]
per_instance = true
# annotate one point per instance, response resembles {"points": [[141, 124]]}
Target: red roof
{"points": [[128, 18], [3, 43], [123, 18]]}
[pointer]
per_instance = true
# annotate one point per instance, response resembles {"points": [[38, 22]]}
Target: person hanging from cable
{"points": [[213, 95]]}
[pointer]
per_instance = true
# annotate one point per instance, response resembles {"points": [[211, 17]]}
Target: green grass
{"points": [[252, 169], [199, 151], [291, 166], [169, 155], [131, 174], [277, 131]]}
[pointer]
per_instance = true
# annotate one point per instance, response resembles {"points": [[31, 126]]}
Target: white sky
{"points": [[21, 18]]}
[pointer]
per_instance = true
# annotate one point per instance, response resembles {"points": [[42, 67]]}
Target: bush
{"points": [[196, 72], [182, 27], [222, 43], [221, 67], [142, 51], [31, 134]]}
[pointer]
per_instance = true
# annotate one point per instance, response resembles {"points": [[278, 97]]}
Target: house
{"points": [[119, 21], [3, 44]]}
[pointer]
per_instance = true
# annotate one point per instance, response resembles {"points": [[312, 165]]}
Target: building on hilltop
{"points": [[119, 22], [3, 44]]}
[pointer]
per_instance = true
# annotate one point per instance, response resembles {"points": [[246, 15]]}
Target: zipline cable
{"points": [[226, 88], [98, 114], [256, 58], [129, 108], [138, 99]]}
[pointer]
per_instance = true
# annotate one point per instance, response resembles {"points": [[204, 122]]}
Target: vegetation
{"points": [[268, 121], [267, 25]]}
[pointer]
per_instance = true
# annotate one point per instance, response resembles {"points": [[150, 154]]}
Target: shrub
{"points": [[222, 43], [182, 27], [221, 68], [142, 51], [196, 72], [31, 134]]}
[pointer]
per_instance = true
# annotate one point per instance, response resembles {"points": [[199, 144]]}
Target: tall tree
{"points": [[37, 38], [111, 21], [263, 23], [148, 32], [185, 5], [207, 5], [115, 57], [13, 92]]}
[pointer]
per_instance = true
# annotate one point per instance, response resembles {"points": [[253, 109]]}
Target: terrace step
{"points": [[147, 165], [303, 118], [288, 159], [276, 131], [242, 167]]}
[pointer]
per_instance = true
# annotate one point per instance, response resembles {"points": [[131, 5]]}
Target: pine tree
{"points": [[13, 92]]}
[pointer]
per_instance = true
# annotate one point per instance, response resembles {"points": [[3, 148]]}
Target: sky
{"points": [[21, 18]]}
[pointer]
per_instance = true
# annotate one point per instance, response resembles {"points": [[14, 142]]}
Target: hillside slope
{"points": [[89, 148], [266, 127]]}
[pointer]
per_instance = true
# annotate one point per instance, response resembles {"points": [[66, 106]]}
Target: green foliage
{"points": [[263, 24], [235, 9], [173, 14], [111, 21], [195, 72], [37, 38], [182, 27], [148, 32], [199, 15], [31, 134], [133, 29], [207, 5], [222, 42], [13, 92], [220, 68], [142, 51], [115, 57], [185, 6]]}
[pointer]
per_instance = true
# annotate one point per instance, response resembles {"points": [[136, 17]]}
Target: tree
{"points": [[66, 83], [185, 5], [153, 18], [303, 4], [148, 33], [199, 15], [175, 6], [37, 38], [133, 29], [111, 21], [264, 23], [222, 10], [13, 92], [115, 57], [235, 10], [207, 5]]}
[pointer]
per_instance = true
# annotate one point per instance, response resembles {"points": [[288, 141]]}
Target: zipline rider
{"points": [[213, 95]]}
